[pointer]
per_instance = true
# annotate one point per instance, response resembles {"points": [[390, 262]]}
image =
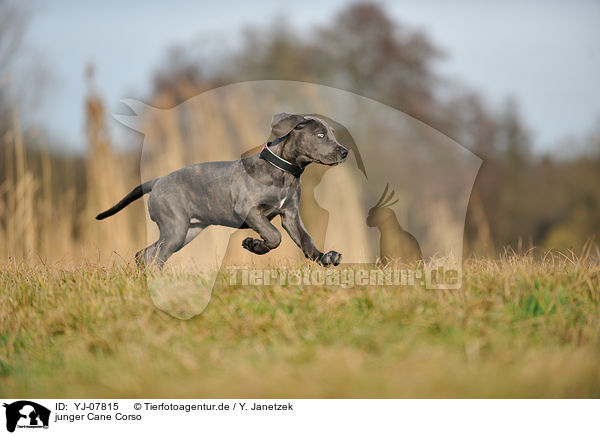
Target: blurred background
{"points": [[514, 82]]}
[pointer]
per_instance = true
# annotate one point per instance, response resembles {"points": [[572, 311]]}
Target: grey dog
{"points": [[245, 193]]}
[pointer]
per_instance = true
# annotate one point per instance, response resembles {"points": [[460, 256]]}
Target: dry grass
{"points": [[520, 327]]}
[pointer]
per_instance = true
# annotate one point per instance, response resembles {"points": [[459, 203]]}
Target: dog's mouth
{"points": [[334, 157], [336, 160], [332, 163]]}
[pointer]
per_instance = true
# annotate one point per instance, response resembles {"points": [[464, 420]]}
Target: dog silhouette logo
{"points": [[26, 414]]}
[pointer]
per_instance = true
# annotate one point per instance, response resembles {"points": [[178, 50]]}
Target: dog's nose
{"points": [[344, 153]]}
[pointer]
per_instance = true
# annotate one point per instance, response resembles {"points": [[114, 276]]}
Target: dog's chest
{"points": [[277, 200], [276, 204]]}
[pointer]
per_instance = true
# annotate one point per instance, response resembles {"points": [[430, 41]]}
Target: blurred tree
{"points": [[364, 51], [13, 22], [513, 140], [361, 51]]}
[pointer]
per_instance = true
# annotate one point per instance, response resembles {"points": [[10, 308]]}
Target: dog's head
{"points": [[313, 139]]}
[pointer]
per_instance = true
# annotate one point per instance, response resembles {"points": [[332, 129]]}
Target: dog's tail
{"points": [[136, 193]]}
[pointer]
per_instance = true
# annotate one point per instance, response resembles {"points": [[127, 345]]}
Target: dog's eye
{"points": [[321, 135]]}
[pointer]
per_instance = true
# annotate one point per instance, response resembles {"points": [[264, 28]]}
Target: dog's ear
{"points": [[283, 123]]}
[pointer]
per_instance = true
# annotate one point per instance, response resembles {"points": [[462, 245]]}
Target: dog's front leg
{"points": [[271, 237], [295, 228]]}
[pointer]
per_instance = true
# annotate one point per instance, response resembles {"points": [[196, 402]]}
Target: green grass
{"points": [[519, 327]]}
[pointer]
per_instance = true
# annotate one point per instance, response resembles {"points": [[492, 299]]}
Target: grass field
{"points": [[520, 327]]}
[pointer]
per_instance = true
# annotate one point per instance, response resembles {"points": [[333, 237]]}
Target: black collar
{"points": [[278, 162]]}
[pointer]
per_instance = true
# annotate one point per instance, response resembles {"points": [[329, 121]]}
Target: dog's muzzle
{"points": [[342, 153]]}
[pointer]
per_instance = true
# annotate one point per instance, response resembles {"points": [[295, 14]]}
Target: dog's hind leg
{"points": [[146, 255], [192, 232], [271, 237], [171, 240], [173, 235]]}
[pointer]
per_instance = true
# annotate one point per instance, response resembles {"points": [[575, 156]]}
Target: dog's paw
{"points": [[330, 258], [248, 243]]}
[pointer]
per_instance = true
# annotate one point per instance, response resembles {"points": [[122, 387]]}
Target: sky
{"points": [[545, 54]]}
